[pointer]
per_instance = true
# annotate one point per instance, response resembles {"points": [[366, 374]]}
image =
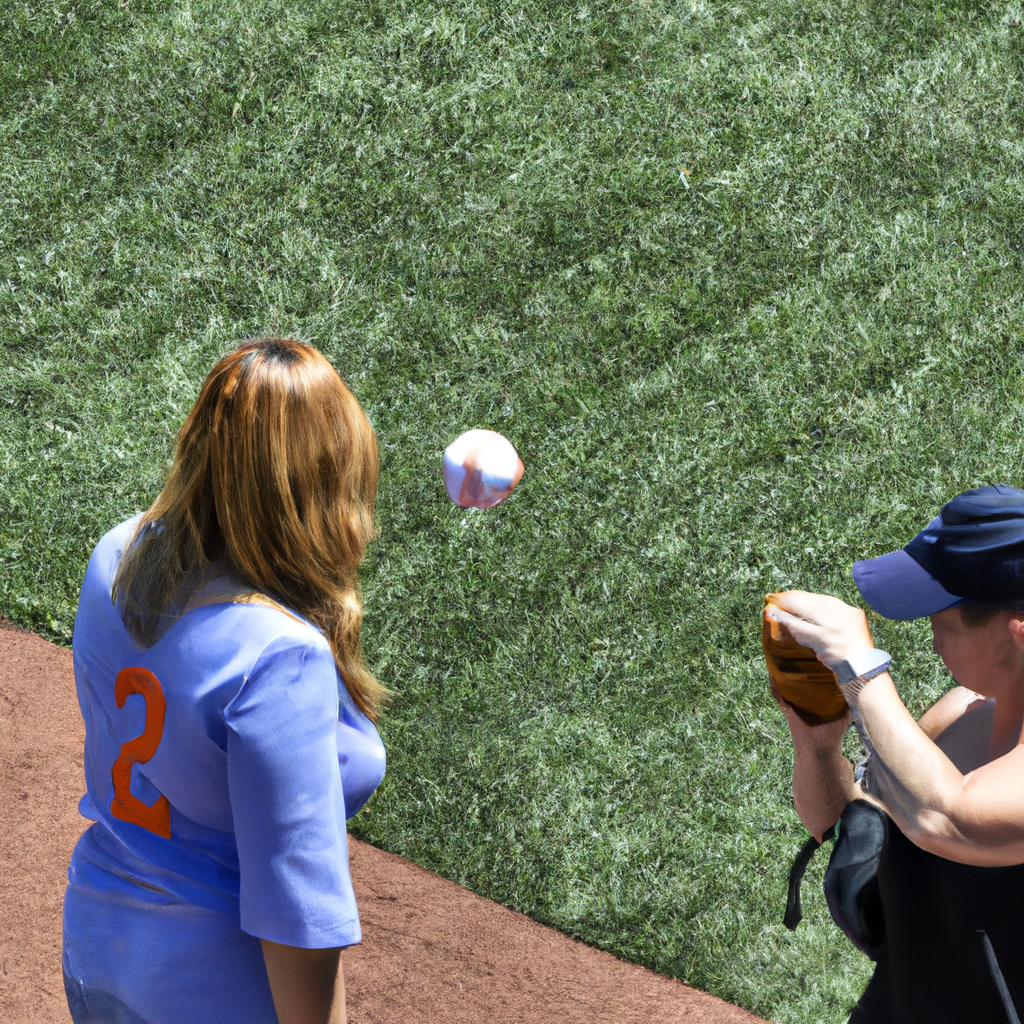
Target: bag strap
{"points": [[796, 873], [997, 977]]}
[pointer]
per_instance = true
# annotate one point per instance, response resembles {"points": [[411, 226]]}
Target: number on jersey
{"points": [[126, 806]]}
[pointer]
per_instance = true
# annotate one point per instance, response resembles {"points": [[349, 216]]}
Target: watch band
{"points": [[856, 670]]}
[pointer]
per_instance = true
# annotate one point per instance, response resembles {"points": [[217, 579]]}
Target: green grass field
{"points": [[742, 283]]}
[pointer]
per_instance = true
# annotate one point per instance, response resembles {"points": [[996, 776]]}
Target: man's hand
{"points": [[811, 732], [831, 628]]}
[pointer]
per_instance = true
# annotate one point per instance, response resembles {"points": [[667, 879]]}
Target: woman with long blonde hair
{"points": [[229, 714]]}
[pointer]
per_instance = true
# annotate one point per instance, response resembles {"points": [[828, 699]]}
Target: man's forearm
{"points": [[909, 774], [822, 786]]}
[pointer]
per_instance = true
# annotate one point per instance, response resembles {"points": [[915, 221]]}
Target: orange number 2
{"points": [[126, 806]]}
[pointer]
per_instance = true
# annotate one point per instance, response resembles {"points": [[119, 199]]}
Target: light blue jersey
{"points": [[221, 764]]}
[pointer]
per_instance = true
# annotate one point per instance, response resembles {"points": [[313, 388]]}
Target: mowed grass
{"points": [[742, 283]]}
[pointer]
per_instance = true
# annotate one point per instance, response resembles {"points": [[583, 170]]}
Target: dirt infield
{"points": [[432, 952]]}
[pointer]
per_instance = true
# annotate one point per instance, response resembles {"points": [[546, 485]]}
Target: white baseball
{"points": [[481, 469]]}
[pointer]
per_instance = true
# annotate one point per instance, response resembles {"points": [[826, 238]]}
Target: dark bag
{"points": [[851, 880]]}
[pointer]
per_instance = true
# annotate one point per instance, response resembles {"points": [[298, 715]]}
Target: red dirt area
{"points": [[432, 952]]}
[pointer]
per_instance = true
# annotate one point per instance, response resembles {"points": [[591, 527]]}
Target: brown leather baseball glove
{"points": [[797, 674]]}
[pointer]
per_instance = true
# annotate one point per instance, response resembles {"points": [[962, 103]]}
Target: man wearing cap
{"points": [[951, 872]]}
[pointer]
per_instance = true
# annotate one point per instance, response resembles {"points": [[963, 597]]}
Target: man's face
{"points": [[978, 657]]}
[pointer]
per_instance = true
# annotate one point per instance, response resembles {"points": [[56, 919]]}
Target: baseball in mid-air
{"points": [[481, 469]]}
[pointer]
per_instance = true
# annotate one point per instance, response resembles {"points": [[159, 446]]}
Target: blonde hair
{"points": [[274, 478]]}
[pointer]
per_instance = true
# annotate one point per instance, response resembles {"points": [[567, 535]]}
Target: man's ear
{"points": [[1016, 625]]}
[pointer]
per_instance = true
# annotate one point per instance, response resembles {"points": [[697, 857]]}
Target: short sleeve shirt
{"points": [[242, 730]]}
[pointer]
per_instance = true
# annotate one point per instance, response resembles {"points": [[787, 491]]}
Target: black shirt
{"points": [[934, 969]]}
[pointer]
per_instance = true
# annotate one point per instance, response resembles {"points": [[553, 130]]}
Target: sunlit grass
{"points": [[740, 281]]}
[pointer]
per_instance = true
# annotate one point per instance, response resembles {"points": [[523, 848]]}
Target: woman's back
{"points": [[256, 754]]}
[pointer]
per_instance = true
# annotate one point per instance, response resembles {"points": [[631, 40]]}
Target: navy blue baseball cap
{"points": [[973, 550]]}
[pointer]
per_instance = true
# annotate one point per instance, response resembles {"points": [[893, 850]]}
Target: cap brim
{"points": [[898, 588]]}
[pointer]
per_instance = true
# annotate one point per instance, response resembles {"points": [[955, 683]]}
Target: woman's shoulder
{"points": [[96, 615], [252, 618], [109, 548], [245, 652]]}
